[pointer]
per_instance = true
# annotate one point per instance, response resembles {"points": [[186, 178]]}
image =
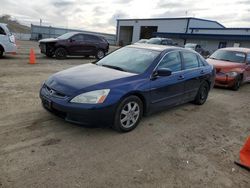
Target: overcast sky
{"points": [[97, 15]]}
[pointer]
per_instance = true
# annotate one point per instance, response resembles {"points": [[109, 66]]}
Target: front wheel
{"points": [[128, 114], [237, 83], [60, 53], [100, 54], [202, 94]]}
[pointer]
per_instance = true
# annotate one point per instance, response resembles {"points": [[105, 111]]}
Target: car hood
{"points": [[224, 66], [77, 78], [49, 40]]}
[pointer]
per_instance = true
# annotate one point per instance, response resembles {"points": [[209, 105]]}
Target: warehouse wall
{"points": [[173, 25], [38, 32]]}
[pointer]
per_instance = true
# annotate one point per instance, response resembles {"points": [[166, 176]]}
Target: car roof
{"points": [[156, 47], [237, 49], [75, 33]]}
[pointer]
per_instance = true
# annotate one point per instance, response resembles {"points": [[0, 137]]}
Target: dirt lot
{"points": [[187, 146]]}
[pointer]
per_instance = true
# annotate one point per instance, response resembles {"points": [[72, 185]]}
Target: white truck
{"points": [[7, 41]]}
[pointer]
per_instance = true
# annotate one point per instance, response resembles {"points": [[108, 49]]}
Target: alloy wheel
{"points": [[129, 114]]}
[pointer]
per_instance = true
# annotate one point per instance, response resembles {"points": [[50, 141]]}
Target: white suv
{"points": [[7, 41]]}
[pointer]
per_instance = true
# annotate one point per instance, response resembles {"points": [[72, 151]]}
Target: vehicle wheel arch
{"points": [[2, 48], [60, 46], [140, 96], [208, 82]]}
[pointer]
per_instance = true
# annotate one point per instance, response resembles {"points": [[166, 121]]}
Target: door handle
{"points": [[202, 72], [181, 77]]}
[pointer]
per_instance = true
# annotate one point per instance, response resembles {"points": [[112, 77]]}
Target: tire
{"points": [[1, 53], [100, 54], [237, 83], [202, 94], [60, 53], [128, 114]]}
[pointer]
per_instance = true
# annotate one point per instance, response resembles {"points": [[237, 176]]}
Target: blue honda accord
{"points": [[133, 81]]}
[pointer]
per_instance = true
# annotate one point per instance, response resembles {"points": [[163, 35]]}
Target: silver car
{"points": [[7, 41]]}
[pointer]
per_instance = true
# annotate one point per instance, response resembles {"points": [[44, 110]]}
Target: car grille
{"points": [[54, 93], [218, 70]]}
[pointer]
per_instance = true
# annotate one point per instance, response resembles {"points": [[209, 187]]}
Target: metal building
{"points": [[40, 32], [211, 35]]}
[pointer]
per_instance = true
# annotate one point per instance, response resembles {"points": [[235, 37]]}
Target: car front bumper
{"points": [[84, 114], [11, 48], [222, 80]]}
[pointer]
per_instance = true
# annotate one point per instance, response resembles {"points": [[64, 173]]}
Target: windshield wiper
{"points": [[114, 67]]}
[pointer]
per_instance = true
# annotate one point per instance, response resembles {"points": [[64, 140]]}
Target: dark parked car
{"points": [[133, 81], [74, 44], [162, 41], [197, 48]]}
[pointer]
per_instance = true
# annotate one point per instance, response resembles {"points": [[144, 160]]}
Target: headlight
{"points": [[92, 97], [12, 39], [232, 74]]}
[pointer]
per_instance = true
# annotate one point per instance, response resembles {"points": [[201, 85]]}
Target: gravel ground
{"points": [[186, 146]]}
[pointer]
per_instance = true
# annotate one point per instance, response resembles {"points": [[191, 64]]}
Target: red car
{"points": [[232, 67]]}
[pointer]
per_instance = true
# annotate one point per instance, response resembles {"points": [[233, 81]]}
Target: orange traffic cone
{"points": [[245, 155], [32, 56]]}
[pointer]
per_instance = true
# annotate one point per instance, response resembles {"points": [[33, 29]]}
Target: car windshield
{"points": [[129, 59], [231, 56], [66, 36], [154, 41]]}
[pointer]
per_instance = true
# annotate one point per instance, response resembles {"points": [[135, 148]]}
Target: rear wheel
{"points": [[60, 53], [237, 83], [128, 114], [100, 54], [202, 94]]}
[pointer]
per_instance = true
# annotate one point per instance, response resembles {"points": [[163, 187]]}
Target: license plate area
{"points": [[47, 103]]}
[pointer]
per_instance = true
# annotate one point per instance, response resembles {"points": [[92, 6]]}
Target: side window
{"points": [[77, 38], [92, 38], [2, 32], [190, 60], [171, 61]]}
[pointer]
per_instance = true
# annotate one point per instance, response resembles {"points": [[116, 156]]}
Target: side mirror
{"points": [[161, 72], [71, 40]]}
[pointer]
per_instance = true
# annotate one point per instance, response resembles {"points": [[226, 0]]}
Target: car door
{"points": [[168, 91], [3, 37], [193, 73], [75, 46], [91, 43]]}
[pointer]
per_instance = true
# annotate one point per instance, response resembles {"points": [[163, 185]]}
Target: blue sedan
{"points": [[133, 81]]}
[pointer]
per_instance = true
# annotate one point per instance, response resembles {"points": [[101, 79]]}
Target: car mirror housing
{"points": [[161, 72]]}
